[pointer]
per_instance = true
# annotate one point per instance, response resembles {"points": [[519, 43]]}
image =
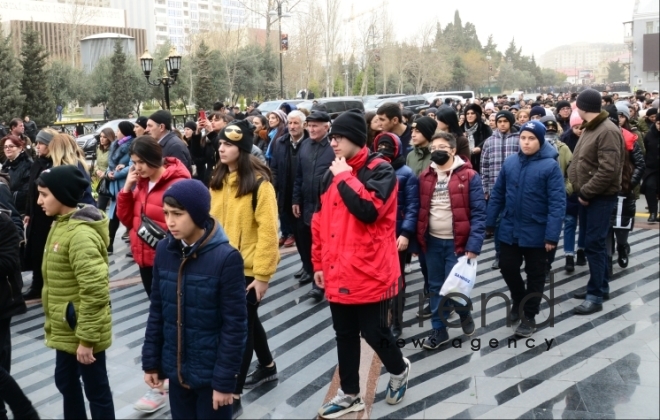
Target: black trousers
{"points": [[195, 403], [651, 192], [303, 237], [511, 258], [399, 302], [257, 340], [147, 275], [10, 392], [97, 387], [370, 321]]}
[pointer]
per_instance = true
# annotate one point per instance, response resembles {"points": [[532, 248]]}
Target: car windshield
{"points": [[269, 106], [306, 105], [373, 103]]}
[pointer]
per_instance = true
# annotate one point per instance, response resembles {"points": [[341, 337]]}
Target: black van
{"points": [[336, 105]]}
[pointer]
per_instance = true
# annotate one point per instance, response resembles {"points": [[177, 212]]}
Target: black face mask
{"points": [[440, 157]]}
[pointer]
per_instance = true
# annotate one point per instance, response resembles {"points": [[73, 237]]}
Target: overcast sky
{"points": [[536, 26]]}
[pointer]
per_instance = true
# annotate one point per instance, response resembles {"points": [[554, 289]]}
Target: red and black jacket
{"points": [[354, 241]]}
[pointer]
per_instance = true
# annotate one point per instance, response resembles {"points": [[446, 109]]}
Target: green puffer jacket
{"points": [[75, 269], [418, 159]]}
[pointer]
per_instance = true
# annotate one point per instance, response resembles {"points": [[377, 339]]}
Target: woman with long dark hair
{"points": [[373, 128], [652, 171], [106, 138], [448, 122], [476, 131], [277, 127], [243, 201], [151, 175], [260, 124]]}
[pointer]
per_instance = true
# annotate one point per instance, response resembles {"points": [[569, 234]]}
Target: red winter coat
{"points": [[354, 232], [468, 207], [130, 207]]}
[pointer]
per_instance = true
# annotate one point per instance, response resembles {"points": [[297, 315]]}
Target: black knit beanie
{"points": [[562, 104], [191, 125], [506, 114], [66, 183], [589, 100], [194, 196], [352, 125], [239, 133], [162, 117], [142, 122], [476, 109], [426, 126]]}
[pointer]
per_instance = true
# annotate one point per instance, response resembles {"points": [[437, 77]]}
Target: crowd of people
{"points": [[206, 211]]}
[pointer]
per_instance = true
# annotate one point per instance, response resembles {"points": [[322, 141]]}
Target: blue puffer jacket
{"points": [[118, 155], [408, 192], [531, 195], [212, 328]]}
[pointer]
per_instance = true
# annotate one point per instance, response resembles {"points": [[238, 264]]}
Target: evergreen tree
{"points": [[203, 85], [39, 103], [11, 98], [458, 74], [120, 97], [616, 72]]}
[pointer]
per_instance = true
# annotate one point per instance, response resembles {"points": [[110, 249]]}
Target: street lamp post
{"points": [[170, 71], [280, 15]]}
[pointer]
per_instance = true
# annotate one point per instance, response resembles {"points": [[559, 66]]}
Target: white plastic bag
{"points": [[461, 279]]}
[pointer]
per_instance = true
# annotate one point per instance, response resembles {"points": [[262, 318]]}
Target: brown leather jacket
{"points": [[597, 159]]}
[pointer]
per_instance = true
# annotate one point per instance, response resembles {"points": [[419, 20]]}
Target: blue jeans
{"points": [[440, 259], [595, 221], [97, 387], [581, 238], [195, 403], [570, 226]]}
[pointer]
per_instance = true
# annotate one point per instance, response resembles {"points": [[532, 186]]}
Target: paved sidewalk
{"points": [[600, 366]]}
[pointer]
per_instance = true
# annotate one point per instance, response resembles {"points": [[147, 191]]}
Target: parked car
{"points": [[443, 97], [415, 103], [89, 142], [335, 105], [271, 106], [370, 101]]}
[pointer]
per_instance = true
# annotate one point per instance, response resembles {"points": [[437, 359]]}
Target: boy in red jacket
{"points": [[354, 254]]}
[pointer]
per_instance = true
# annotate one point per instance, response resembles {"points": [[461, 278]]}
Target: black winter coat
{"points": [[651, 159], [283, 166], [11, 282], [314, 159], [483, 132], [19, 177], [39, 226], [175, 147]]}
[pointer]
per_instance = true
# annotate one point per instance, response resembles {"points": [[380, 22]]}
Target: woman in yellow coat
{"points": [[243, 201]]}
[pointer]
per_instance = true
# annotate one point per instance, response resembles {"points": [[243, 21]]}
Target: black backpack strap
{"points": [[255, 191]]}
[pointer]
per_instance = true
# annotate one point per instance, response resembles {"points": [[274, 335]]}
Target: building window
{"points": [[652, 76], [161, 28]]}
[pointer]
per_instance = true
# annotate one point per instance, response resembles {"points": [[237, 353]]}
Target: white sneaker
{"points": [[407, 269], [398, 385], [152, 401], [340, 405]]}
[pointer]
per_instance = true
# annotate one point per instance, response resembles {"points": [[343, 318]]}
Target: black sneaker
{"points": [[570, 264], [260, 375], [426, 312], [299, 273], [526, 329], [581, 258], [496, 264], [236, 409], [436, 339], [110, 250], [316, 294], [514, 316], [622, 256], [547, 277], [467, 324]]}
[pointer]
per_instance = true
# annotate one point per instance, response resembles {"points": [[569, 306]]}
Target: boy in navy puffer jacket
{"points": [[389, 145], [197, 325]]}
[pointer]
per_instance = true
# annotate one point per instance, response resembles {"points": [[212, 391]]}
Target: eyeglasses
{"points": [[441, 147], [337, 139], [9, 146]]}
